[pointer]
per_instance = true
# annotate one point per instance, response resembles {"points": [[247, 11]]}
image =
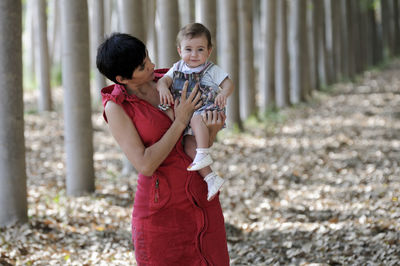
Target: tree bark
{"points": [[300, 56], [151, 33], [186, 12], [167, 29], [229, 56], [319, 20], [77, 105], [247, 91], [131, 19], [267, 70], [282, 79], [42, 57], [13, 202], [344, 35], [97, 34]]}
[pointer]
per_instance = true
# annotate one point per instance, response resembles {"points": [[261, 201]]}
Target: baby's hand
{"points": [[165, 96], [220, 100]]}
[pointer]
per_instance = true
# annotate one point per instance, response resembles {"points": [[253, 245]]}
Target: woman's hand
{"points": [[214, 121], [185, 107]]}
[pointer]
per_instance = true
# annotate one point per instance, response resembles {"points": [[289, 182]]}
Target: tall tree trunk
{"points": [[97, 36], [186, 12], [151, 33], [312, 42], [29, 42], [42, 57], [336, 39], [54, 36], [319, 20], [206, 13], [351, 38], [13, 203], [77, 106], [130, 13], [282, 79], [344, 35], [300, 56], [385, 20], [267, 70], [396, 25], [167, 29], [377, 52], [329, 62], [229, 57], [359, 37], [247, 91]]}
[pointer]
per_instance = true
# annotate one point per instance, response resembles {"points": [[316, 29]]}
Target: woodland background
{"points": [[311, 154]]}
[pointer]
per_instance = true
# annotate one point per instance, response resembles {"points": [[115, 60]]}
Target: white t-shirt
{"points": [[214, 76]]}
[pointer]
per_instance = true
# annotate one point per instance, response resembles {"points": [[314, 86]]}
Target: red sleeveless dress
{"points": [[172, 221]]}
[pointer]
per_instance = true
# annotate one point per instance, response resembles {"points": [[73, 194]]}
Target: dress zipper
{"points": [[156, 194]]}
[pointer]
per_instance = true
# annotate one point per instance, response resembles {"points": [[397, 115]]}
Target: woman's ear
{"points": [[120, 79]]}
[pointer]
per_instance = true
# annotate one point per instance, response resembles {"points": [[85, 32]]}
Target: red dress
{"points": [[172, 221]]}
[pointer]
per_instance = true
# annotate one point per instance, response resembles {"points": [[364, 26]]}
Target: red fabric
{"points": [[172, 221]]}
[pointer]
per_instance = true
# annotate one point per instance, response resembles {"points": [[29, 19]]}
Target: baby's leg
{"points": [[213, 180], [200, 130], [190, 149]]}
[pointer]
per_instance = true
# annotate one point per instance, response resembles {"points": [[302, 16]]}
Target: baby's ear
{"points": [[179, 50]]}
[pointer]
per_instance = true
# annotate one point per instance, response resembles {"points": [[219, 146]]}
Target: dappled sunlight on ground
{"points": [[320, 186]]}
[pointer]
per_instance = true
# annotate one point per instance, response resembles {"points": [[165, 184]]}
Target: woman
{"points": [[172, 221]]}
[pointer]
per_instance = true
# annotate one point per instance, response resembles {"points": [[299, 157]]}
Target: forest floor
{"points": [[319, 184]]}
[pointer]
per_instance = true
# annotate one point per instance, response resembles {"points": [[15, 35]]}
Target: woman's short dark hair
{"points": [[193, 30], [119, 55]]}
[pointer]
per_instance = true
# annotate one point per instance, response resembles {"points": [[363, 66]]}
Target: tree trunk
{"points": [[54, 37], [312, 42], [13, 202], [377, 52], [29, 42], [77, 106], [42, 57], [300, 56], [151, 34], [167, 29], [385, 20], [97, 34], [267, 70], [131, 19], [282, 78], [351, 38], [328, 31], [396, 25], [319, 20], [206, 13], [229, 56], [336, 39], [344, 35], [247, 91], [359, 46], [186, 12]]}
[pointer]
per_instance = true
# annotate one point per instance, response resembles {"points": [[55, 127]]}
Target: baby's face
{"points": [[194, 51]]}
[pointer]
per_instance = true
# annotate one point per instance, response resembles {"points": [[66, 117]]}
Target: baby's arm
{"points": [[163, 85], [227, 89]]}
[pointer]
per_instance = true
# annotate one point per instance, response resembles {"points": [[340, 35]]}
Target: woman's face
{"points": [[194, 51], [144, 72]]}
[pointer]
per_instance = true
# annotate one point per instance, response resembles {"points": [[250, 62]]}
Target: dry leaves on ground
{"points": [[322, 187]]}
